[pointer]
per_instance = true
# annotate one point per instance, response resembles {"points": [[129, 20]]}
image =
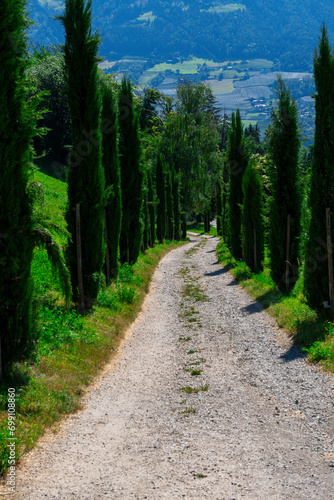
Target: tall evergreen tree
{"points": [[176, 204], [132, 176], [284, 145], [219, 207], [252, 227], [111, 164], [151, 208], [161, 194], [322, 176], [86, 182], [237, 158], [169, 205], [146, 216], [17, 127]]}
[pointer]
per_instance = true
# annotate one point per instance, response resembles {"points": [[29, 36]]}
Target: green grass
{"points": [[184, 67], [194, 390], [310, 330], [69, 350]]}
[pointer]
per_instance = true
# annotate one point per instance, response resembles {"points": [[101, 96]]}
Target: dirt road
{"points": [[206, 399]]}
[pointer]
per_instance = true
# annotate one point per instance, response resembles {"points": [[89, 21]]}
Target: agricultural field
{"points": [[245, 84], [230, 7]]}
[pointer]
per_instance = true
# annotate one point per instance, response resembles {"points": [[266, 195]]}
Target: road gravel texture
{"points": [[207, 398]]}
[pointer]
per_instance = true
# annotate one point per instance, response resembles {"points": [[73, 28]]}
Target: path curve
{"points": [[258, 426]]}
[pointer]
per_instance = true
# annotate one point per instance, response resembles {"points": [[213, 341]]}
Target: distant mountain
{"points": [[284, 31]]}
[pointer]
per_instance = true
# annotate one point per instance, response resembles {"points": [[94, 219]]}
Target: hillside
{"points": [[286, 31]]}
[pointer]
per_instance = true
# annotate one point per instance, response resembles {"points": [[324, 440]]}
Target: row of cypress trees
{"points": [[112, 198], [107, 177], [245, 228], [242, 224]]}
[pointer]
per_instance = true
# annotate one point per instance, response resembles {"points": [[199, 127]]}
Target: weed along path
{"points": [[206, 399]]}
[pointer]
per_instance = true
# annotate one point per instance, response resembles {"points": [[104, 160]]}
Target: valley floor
{"points": [[207, 398]]}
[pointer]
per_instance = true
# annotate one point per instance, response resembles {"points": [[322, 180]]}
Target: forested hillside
{"points": [[285, 31]]}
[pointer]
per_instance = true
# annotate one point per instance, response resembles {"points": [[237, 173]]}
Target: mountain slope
{"points": [[161, 30]]}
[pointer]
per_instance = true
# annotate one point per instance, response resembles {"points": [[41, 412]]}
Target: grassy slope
{"points": [[70, 350], [309, 330]]}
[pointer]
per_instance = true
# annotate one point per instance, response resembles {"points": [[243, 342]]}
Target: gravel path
{"points": [[258, 423]]}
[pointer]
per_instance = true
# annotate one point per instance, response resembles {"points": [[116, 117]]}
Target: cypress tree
{"points": [[169, 206], [176, 204], [322, 176], [161, 194], [284, 148], [146, 217], [86, 182], [252, 228], [17, 127], [219, 207], [110, 160], [237, 160], [151, 208], [132, 176]]}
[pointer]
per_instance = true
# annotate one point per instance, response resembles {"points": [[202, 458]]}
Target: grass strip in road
{"points": [[313, 332]]}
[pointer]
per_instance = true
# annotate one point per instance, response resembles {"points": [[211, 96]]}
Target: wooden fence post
{"points": [[79, 260], [330, 259], [287, 262]]}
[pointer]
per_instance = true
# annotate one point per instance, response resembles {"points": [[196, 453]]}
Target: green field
{"points": [[148, 16], [230, 7], [185, 67]]}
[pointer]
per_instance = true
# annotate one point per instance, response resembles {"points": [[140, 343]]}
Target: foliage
{"points": [[161, 194], [86, 182], [112, 172], [18, 126], [151, 207], [252, 228], [190, 142], [284, 145], [322, 175], [132, 175], [47, 71], [176, 203], [237, 158], [219, 207], [169, 205]]}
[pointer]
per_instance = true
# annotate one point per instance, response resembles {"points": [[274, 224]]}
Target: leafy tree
{"points": [[86, 182], [161, 194], [47, 71], [111, 165], [237, 157], [190, 143], [132, 175], [252, 228], [322, 175], [284, 147]]}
